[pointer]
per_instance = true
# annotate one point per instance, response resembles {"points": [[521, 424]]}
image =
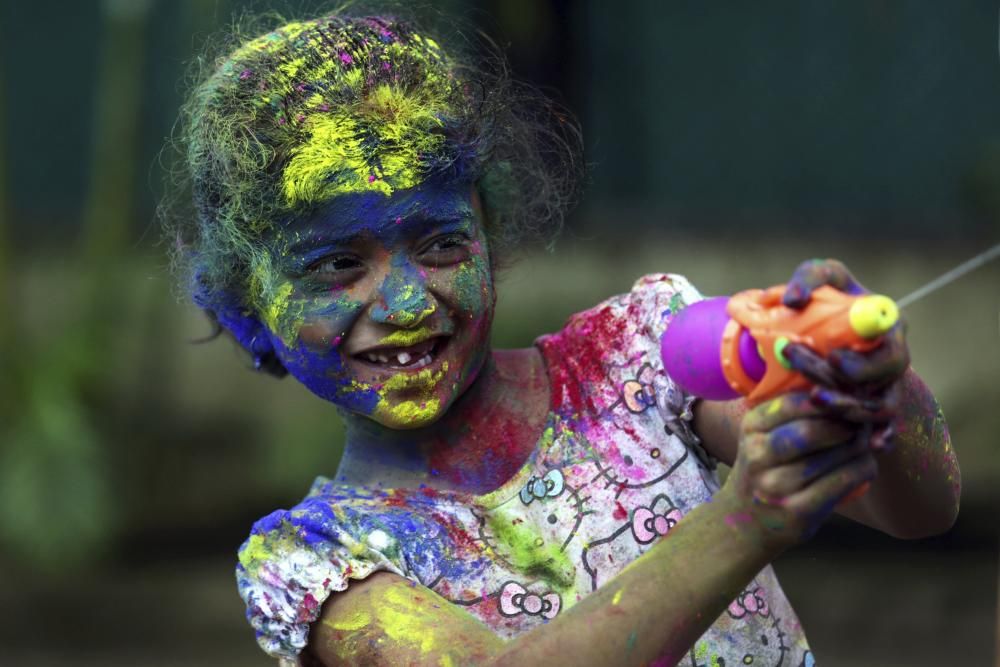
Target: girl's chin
{"points": [[404, 413], [399, 396]]}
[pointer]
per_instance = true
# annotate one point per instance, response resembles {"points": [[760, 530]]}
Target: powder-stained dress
{"points": [[616, 468]]}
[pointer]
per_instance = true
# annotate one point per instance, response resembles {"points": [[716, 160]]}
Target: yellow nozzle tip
{"points": [[873, 315]]}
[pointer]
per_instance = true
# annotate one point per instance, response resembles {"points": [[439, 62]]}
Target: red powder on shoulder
{"points": [[581, 349]]}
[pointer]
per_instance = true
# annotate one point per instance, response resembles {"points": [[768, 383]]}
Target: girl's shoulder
{"points": [[648, 305], [295, 558], [607, 360], [621, 327]]}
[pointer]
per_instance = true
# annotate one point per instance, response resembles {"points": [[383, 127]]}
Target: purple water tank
{"points": [[691, 350]]}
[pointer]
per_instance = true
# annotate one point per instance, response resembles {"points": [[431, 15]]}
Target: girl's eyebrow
{"points": [[308, 251], [313, 244], [421, 223]]}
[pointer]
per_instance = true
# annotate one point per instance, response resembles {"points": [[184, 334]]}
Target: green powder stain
{"points": [[676, 303], [469, 284], [548, 438], [526, 549], [701, 651], [630, 644]]}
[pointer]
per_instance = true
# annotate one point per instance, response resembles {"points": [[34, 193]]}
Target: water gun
{"points": [[727, 347]]}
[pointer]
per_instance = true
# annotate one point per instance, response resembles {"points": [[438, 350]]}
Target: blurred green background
{"points": [[728, 142]]}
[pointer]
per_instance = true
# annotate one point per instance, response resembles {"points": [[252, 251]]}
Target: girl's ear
{"points": [[252, 336]]}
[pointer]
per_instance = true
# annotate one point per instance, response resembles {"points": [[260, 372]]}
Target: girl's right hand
{"points": [[796, 461]]}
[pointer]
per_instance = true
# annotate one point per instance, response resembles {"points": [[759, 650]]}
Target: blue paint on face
{"points": [[403, 299], [317, 362], [246, 329], [368, 266]]}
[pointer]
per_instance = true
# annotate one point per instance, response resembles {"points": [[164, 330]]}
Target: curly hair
{"points": [[347, 104]]}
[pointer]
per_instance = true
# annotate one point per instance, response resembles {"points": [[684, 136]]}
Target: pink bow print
{"points": [[515, 600], [749, 602], [647, 525]]}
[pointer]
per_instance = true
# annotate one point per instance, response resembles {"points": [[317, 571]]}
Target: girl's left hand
{"points": [[845, 369], [864, 384]]}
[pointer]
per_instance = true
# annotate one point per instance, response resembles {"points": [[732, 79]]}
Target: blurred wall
{"points": [[860, 118], [854, 117]]}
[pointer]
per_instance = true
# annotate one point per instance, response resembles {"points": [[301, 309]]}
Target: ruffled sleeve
{"points": [[652, 302], [291, 563]]}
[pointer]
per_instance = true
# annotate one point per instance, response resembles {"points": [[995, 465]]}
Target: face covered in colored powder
{"points": [[383, 304]]}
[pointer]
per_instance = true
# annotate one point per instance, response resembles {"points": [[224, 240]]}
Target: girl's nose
{"points": [[402, 299]]}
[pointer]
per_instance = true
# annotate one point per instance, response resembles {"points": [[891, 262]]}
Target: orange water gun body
{"points": [[727, 347]]}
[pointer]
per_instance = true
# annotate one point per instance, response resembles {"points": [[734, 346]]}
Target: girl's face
{"points": [[383, 305]]}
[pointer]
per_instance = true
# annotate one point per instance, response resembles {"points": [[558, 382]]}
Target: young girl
{"points": [[355, 188]]}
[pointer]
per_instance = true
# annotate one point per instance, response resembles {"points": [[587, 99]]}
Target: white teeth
{"points": [[421, 362], [402, 358]]}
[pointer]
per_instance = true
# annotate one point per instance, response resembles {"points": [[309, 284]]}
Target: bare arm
{"points": [[658, 606], [916, 493]]}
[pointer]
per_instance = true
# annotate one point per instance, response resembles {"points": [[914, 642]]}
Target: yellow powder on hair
{"points": [[277, 306]]}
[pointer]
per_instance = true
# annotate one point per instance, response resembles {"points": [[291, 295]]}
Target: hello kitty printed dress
{"points": [[616, 468]]}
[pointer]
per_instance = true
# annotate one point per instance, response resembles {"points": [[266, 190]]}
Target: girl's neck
{"points": [[481, 442]]}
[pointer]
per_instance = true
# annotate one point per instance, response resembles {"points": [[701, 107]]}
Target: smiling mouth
{"points": [[410, 357]]}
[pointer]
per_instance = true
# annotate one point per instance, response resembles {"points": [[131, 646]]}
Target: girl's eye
{"points": [[340, 269], [446, 249]]}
